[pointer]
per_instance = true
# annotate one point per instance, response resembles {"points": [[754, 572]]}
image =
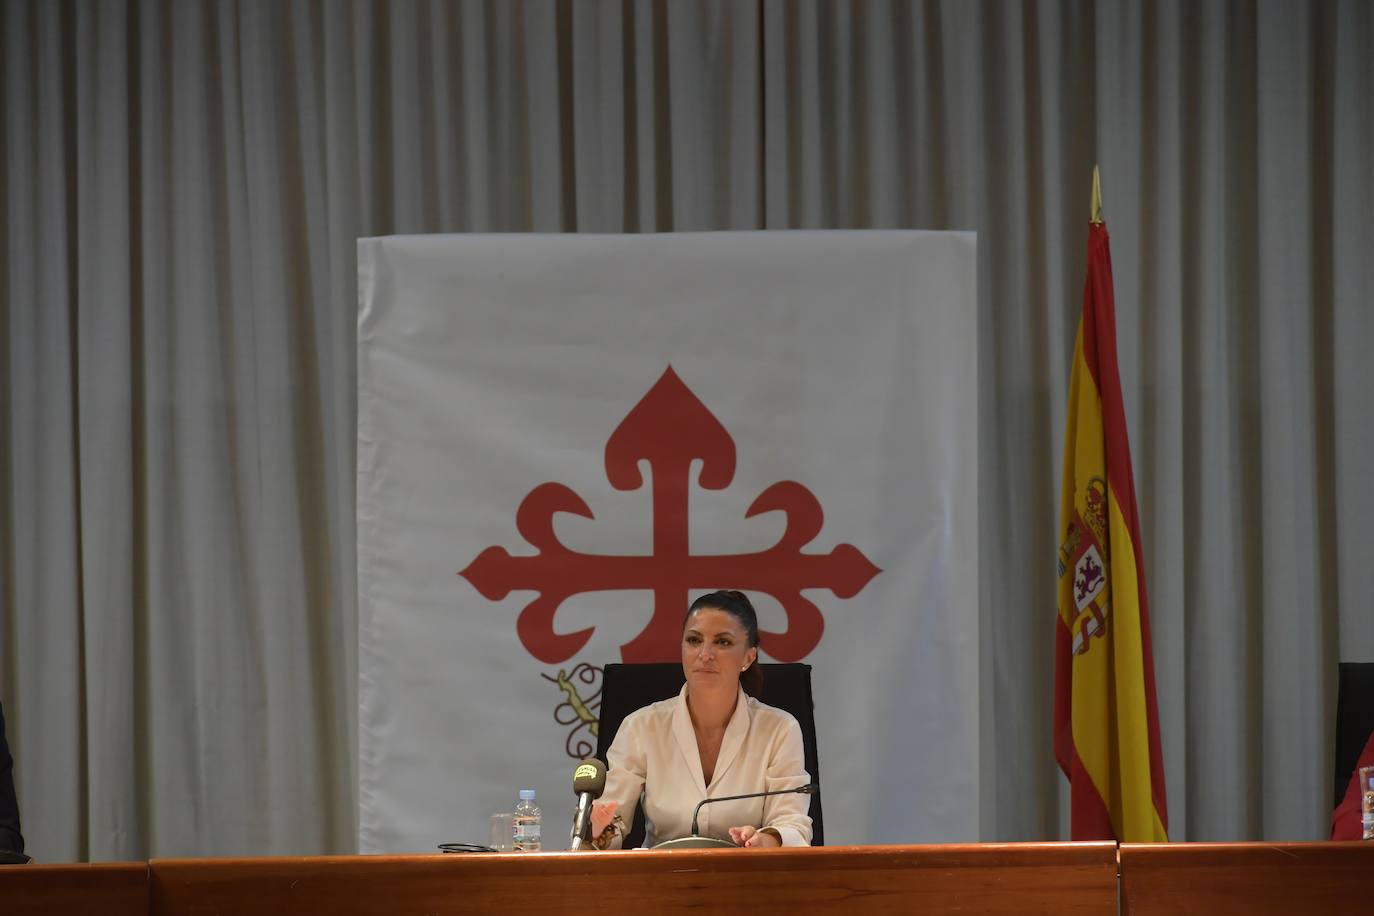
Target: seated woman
{"points": [[711, 740]]}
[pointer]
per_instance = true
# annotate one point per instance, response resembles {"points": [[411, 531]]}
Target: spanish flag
{"points": [[1106, 722]]}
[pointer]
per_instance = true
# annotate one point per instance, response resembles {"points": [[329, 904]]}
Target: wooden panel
{"points": [[989, 878], [1256, 879], [113, 888]]}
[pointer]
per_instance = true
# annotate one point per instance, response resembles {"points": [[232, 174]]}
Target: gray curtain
{"points": [[181, 185]]}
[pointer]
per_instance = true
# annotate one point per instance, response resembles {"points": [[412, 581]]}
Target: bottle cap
{"points": [[527, 795]]}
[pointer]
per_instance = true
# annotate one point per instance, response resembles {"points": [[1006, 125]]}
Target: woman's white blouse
{"points": [[655, 750]]}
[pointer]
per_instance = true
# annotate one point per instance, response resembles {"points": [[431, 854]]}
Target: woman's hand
{"points": [[751, 837], [603, 812]]}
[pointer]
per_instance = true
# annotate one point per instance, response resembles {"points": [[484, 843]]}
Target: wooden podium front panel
{"points": [[1257, 879], [101, 889], [988, 878]]}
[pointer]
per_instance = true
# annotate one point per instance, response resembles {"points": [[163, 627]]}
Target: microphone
{"points": [[810, 788], [589, 781]]}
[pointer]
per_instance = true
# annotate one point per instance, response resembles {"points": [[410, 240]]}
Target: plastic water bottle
{"points": [[527, 823]]}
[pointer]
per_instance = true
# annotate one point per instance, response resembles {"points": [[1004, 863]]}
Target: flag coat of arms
{"points": [[564, 439], [1106, 719]]}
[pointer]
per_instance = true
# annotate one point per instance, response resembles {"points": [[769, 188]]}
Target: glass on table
{"points": [[502, 834]]}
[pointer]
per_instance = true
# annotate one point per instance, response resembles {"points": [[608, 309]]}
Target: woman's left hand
{"points": [[753, 838]]}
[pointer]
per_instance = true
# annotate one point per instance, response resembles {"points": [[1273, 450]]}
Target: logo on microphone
{"points": [[585, 771]]}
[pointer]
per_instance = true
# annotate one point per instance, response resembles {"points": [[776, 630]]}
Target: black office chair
{"points": [[625, 688], [1354, 719]]}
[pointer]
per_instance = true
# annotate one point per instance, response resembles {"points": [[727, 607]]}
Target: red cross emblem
{"points": [[668, 429]]}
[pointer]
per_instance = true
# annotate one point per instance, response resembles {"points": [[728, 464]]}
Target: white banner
{"points": [[563, 439]]}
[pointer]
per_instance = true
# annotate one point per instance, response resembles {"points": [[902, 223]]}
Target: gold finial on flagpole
{"points": [[1097, 198]]}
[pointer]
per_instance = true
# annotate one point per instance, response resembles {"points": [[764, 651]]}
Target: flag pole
{"points": [[1096, 216]]}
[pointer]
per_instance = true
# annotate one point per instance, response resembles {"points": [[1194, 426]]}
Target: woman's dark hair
{"points": [[737, 605]]}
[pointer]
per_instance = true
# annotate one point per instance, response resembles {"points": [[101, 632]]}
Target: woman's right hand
{"points": [[603, 812]]}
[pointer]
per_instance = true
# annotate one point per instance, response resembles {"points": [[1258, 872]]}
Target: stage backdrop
{"points": [[563, 439]]}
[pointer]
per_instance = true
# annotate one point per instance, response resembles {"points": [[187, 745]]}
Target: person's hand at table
{"points": [[603, 813], [751, 837]]}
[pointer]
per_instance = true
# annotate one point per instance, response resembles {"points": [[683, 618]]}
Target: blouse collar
{"points": [[686, 737]]}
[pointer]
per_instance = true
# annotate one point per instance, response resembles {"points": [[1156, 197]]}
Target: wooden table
{"points": [[1256, 879], [1024, 878], [1212, 879], [109, 888]]}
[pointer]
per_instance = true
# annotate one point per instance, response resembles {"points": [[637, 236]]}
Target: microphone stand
{"points": [[697, 841], [582, 822]]}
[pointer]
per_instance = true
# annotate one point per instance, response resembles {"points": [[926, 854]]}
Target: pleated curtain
{"points": [[181, 188]]}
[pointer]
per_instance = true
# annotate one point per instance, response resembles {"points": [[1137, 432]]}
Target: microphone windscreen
{"points": [[590, 776]]}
